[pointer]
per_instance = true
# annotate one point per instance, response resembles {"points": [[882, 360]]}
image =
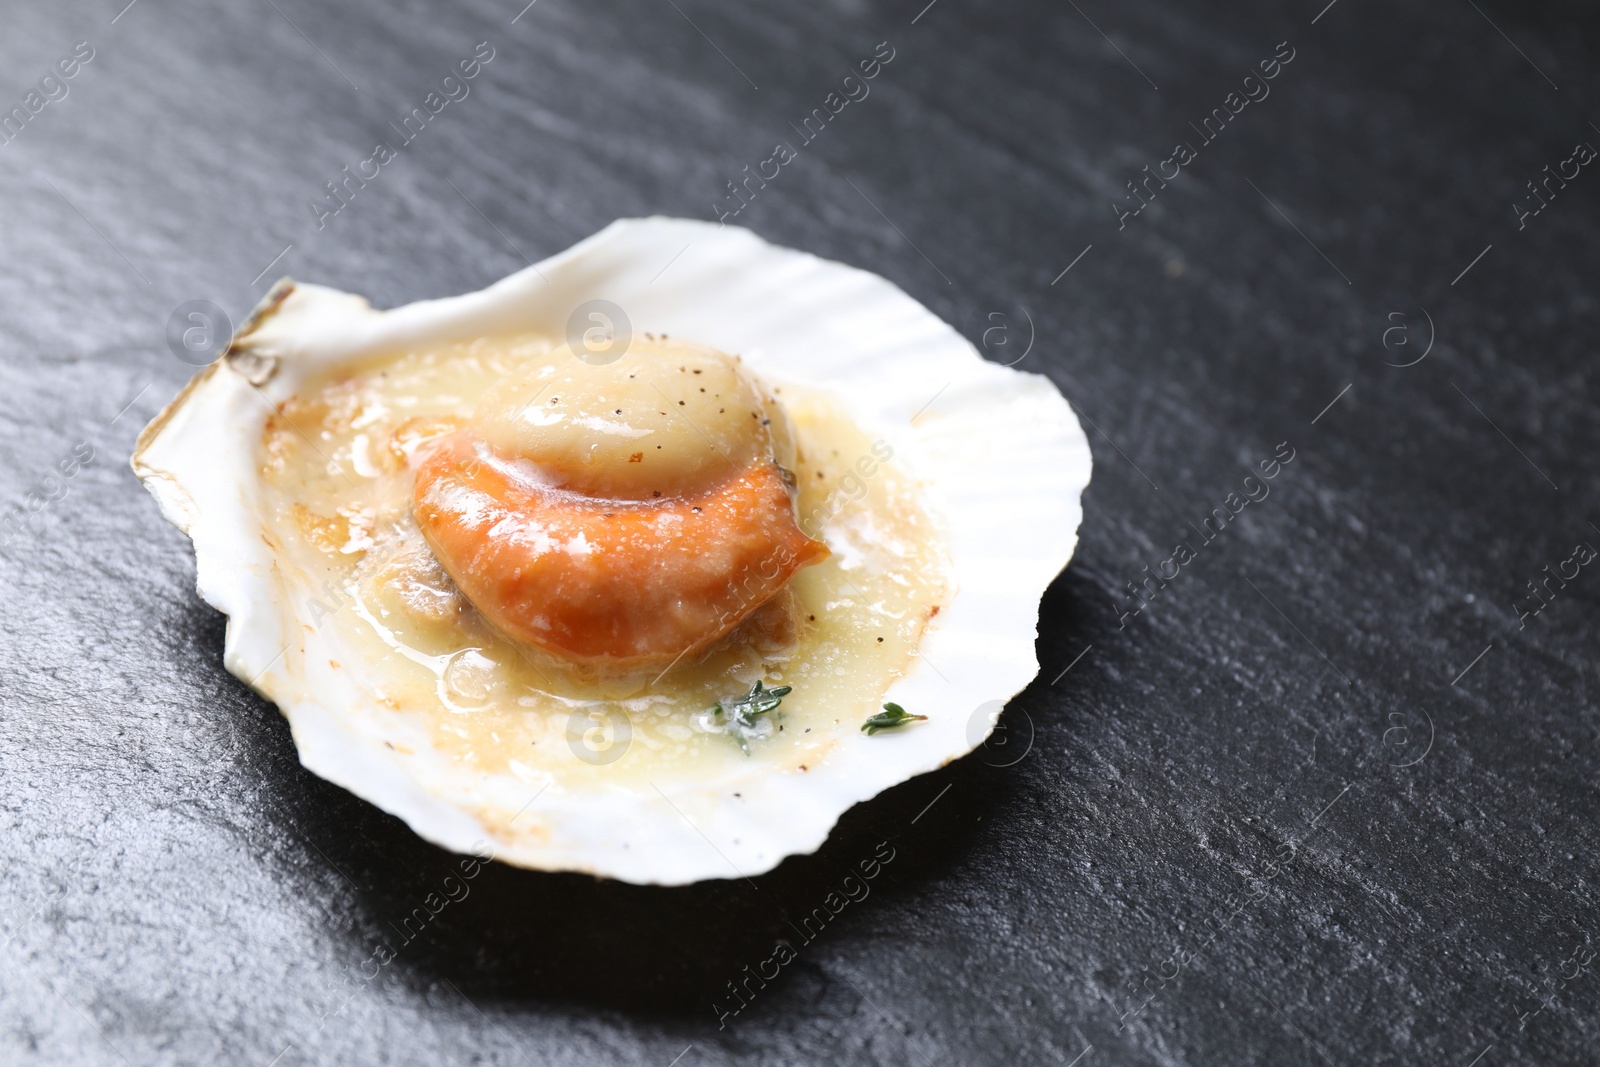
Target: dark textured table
{"points": [[1324, 793]]}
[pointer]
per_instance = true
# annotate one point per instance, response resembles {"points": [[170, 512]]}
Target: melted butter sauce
{"points": [[336, 465]]}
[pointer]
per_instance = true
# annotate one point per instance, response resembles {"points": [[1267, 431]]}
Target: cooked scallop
{"points": [[629, 615], [619, 516]]}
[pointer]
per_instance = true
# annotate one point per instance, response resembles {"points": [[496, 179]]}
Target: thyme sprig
{"points": [[890, 717], [742, 713]]}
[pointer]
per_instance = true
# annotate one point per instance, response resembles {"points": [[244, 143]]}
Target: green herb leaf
{"points": [[891, 716], [741, 713]]}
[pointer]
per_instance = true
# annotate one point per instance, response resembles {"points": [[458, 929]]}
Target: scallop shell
{"points": [[999, 452]]}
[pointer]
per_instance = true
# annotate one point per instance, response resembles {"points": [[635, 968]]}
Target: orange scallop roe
{"points": [[616, 583]]}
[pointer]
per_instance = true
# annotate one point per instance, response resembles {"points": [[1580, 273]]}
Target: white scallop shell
{"points": [[1001, 454]]}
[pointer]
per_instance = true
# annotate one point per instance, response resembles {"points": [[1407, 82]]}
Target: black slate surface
{"points": [[1324, 800]]}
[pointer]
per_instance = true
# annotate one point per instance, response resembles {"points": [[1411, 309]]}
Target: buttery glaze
{"points": [[338, 465]]}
